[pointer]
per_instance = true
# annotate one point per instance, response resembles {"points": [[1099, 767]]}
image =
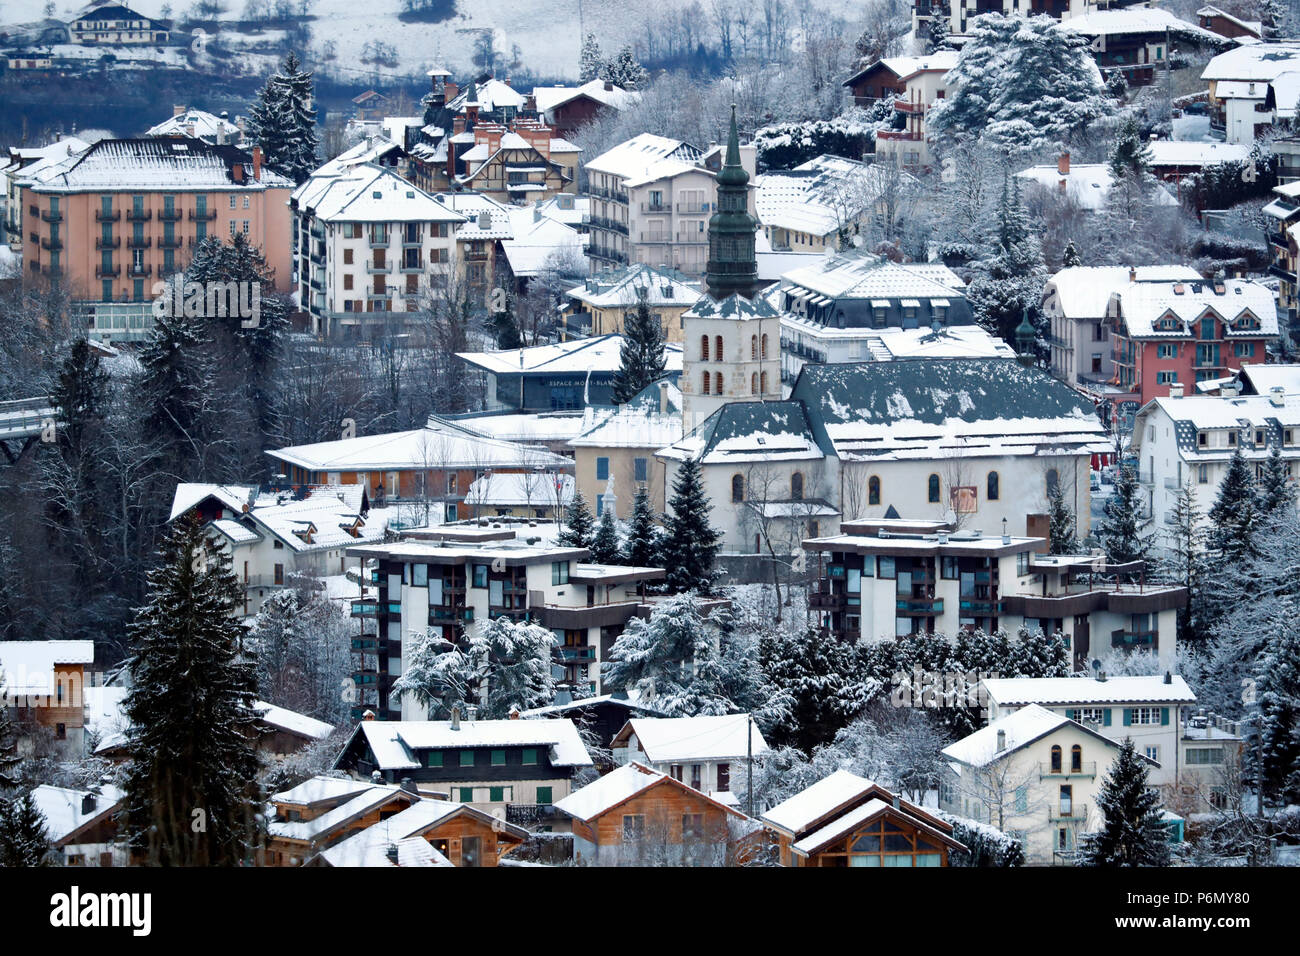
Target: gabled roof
{"points": [[1141, 304], [638, 424], [485, 218], [736, 307], [153, 164], [321, 789], [1258, 62], [371, 847], [190, 494], [205, 125], [906, 66], [861, 816], [1054, 691], [369, 193], [548, 98], [860, 275], [678, 739], [393, 742], [619, 786], [516, 489], [1082, 292], [63, 810], [27, 667], [331, 821], [1087, 183], [622, 287], [750, 431], [490, 94], [1021, 728], [599, 354], [632, 158], [1138, 20], [424, 815]]}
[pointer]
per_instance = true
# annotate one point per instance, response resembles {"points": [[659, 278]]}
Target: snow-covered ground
{"points": [[548, 32], [1191, 128]]}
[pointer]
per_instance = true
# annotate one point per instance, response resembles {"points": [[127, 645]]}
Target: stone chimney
{"points": [[1002, 741], [178, 109], [408, 785], [455, 716], [514, 712], [1132, 274], [608, 86], [392, 853], [450, 90], [257, 163], [471, 712], [368, 715], [1277, 396], [663, 398], [1176, 390], [1063, 164]]}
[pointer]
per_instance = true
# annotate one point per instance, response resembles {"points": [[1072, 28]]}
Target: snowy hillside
{"points": [[547, 32]]}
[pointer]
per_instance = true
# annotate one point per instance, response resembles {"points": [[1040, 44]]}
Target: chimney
{"points": [[506, 81], [1176, 390], [1277, 396], [455, 716], [189, 130], [485, 220], [450, 90], [1002, 741], [237, 172], [408, 785], [514, 712], [178, 109], [368, 715], [257, 163], [221, 133], [88, 803], [471, 712], [457, 124], [663, 398], [1063, 164], [1101, 677], [1169, 678], [392, 853], [1132, 274], [376, 778], [608, 86]]}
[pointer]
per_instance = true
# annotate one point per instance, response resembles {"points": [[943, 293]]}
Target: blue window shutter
{"points": [[1128, 716], [1069, 714], [1164, 716], [1105, 717]]}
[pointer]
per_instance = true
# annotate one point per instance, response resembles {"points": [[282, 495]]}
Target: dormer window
{"points": [[1232, 439], [1202, 440], [1259, 437]]}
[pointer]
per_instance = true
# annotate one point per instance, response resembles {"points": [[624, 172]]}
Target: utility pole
{"points": [[749, 749]]}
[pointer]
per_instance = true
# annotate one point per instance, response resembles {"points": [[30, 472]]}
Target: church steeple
{"points": [[732, 267]]}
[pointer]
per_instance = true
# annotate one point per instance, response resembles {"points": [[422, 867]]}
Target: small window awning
{"points": [[911, 304], [880, 303], [941, 303]]}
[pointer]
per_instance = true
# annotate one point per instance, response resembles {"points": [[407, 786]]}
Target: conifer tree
{"points": [[1061, 535], [174, 390], [1186, 560], [1234, 516], [24, 839], [1132, 833], [80, 395], [579, 526], [192, 797], [1119, 530], [641, 356], [624, 71], [690, 543], [505, 328], [641, 547], [937, 36], [1071, 256], [436, 673], [9, 759], [1116, 85], [590, 60], [1275, 486], [283, 122], [605, 547], [1278, 720]]}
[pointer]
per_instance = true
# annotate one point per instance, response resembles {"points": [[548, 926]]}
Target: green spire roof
{"points": [[732, 267]]}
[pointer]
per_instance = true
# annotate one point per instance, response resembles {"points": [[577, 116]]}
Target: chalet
{"points": [[604, 716], [703, 752], [198, 124], [325, 811], [1226, 25], [115, 24], [82, 824], [1035, 774], [643, 817], [278, 731], [1086, 184], [520, 768], [42, 684], [846, 820], [880, 80], [1135, 41], [567, 109], [370, 105], [1252, 86], [514, 164], [1172, 160], [922, 83]]}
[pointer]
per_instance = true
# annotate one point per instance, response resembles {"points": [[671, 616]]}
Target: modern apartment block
{"points": [[370, 248], [447, 579], [651, 202]]}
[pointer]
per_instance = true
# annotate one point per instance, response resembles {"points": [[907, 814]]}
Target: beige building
{"points": [[519, 164], [603, 302]]}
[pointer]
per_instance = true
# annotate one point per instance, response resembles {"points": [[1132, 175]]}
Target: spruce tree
{"points": [[1186, 561], [1119, 530], [1278, 721], [173, 389], [1132, 833], [283, 123], [9, 759], [192, 797], [1061, 537], [641, 356], [1275, 486], [624, 71], [691, 544], [605, 545], [1071, 256], [505, 328], [24, 839], [641, 547], [80, 395], [590, 60], [1234, 517], [579, 526]]}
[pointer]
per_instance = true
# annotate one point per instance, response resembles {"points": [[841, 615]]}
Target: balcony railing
{"points": [[1076, 812], [381, 269], [204, 215], [1088, 769], [1281, 273], [52, 215], [1278, 239], [660, 206], [112, 272], [569, 654], [110, 243], [139, 271], [113, 215], [898, 134], [170, 215], [694, 208], [656, 237], [54, 245], [139, 242], [1123, 638], [372, 608], [139, 215], [974, 607], [378, 242], [170, 242], [916, 606]]}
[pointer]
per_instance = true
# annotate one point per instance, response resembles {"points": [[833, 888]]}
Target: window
{"points": [[762, 383], [245, 204], [466, 794], [498, 758], [1067, 800], [279, 574], [480, 576], [707, 380], [433, 758], [1166, 378], [1232, 439], [934, 489], [1202, 474], [763, 346], [1076, 759], [530, 757], [640, 468], [1204, 756], [717, 382], [717, 349], [704, 348], [796, 486], [1091, 715], [886, 567], [467, 758], [1152, 753], [692, 826], [753, 346], [724, 777], [633, 827], [602, 469], [234, 200], [873, 490], [753, 383], [948, 568], [1022, 563], [1244, 349], [992, 486], [544, 795], [1167, 350], [1139, 716], [559, 573], [737, 487], [1053, 481], [1056, 758], [695, 776], [496, 794], [1022, 799]]}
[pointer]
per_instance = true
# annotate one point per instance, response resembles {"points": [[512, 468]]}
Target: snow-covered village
{"points": [[564, 436]]}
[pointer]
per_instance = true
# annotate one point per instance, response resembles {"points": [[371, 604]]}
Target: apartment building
{"points": [[651, 202], [371, 247], [482, 261], [891, 577], [111, 222], [1192, 439], [451, 578], [22, 162], [1282, 217], [42, 685]]}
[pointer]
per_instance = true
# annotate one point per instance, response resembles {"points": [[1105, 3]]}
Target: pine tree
{"points": [[174, 388], [1276, 489], [1071, 256], [1278, 721], [624, 71], [505, 328], [822, 679], [9, 759], [1234, 517], [690, 543], [1009, 283], [641, 547], [1061, 535], [641, 356], [1186, 561], [24, 839], [1116, 85], [283, 123], [1132, 833], [605, 547], [80, 394], [579, 526], [191, 786], [1119, 531], [590, 62], [936, 37]]}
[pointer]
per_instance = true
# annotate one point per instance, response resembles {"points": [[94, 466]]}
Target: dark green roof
{"points": [[934, 390], [732, 307], [768, 420]]}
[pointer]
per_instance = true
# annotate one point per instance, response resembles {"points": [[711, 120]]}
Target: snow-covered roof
{"points": [[324, 517], [1084, 291], [532, 428], [547, 98], [1087, 183], [371, 798], [639, 425], [321, 789], [906, 66], [63, 808], [32, 159], [884, 345], [823, 194], [1137, 20], [443, 446], [565, 207], [615, 787], [198, 124], [1258, 62], [1253, 26], [490, 95], [371, 846], [797, 813], [1054, 691], [190, 493], [290, 721], [485, 218], [632, 158], [537, 240], [1020, 727], [1176, 152], [27, 667], [749, 432], [599, 354], [369, 193], [1263, 378], [393, 741], [153, 164], [1199, 412], [622, 288], [1142, 304], [864, 276], [369, 150], [682, 739], [520, 490], [858, 817]]}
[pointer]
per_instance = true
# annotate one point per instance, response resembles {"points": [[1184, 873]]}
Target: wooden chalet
{"points": [[846, 820], [636, 815], [42, 683], [324, 811]]}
